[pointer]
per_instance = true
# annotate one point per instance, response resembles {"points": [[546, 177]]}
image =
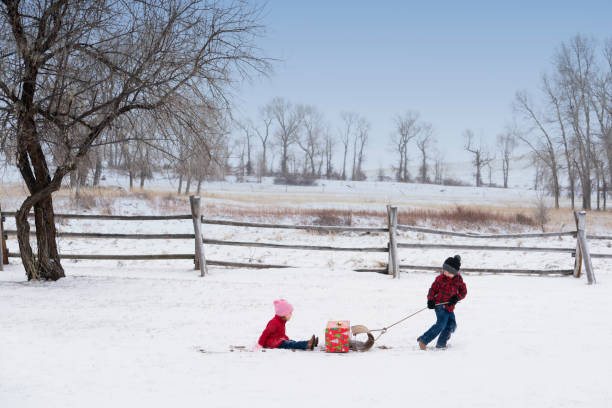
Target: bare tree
{"points": [[247, 134], [539, 139], [481, 156], [362, 132], [70, 68], [602, 106], [266, 116], [200, 151], [439, 167], [349, 120], [506, 143], [289, 119], [600, 177], [407, 128], [556, 101], [575, 65], [330, 144], [424, 142], [310, 139]]}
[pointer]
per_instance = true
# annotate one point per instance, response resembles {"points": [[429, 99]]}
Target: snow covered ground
{"points": [[130, 333]]}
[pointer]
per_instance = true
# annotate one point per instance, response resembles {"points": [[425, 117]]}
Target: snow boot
{"points": [[422, 345]]}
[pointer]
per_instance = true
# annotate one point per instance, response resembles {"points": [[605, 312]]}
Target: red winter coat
{"points": [[274, 333], [444, 288]]}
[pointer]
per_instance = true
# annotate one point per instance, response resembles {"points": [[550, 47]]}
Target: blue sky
{"points": [[457, 63]]}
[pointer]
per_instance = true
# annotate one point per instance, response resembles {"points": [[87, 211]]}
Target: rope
{"points": [[384, 329]]}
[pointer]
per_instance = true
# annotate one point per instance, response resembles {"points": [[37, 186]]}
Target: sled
{"points": [[358, 345]]}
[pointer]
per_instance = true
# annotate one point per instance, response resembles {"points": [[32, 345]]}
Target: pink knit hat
{"points": [[282, 307]]}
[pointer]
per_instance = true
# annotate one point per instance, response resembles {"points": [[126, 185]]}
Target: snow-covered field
{"points": [[130, 333], [129, 336]]}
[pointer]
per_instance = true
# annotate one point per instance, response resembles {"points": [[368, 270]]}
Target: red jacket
{"points": [[444, 287], [274, 333]]}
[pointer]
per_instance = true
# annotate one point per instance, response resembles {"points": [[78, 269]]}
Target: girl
{"points": [[274, 334]]}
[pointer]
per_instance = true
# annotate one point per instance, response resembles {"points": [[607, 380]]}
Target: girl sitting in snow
{"points": [[445, 292], [274, 334]]}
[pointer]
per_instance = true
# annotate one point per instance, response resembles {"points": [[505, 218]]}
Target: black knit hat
{"points": [[452, 265]]}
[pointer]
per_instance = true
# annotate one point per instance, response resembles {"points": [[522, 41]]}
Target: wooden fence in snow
{"points": [[581, 251]]}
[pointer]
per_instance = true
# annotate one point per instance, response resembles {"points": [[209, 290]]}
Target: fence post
{"points": [[200, 259], [584, 248], [393, 265], [3, 248], [578, 258]]}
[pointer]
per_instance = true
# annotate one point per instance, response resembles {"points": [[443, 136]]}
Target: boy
{"points": [[445, 292]]}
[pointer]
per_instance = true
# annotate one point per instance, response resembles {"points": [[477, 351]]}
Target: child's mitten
{"points": [[453, 300], [431, 304]]}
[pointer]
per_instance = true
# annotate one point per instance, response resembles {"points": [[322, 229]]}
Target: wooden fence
{"points": [[581, 251]]}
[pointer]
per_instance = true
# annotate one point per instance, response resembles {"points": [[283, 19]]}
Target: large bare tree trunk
{"points": [[46, 265], [33, 167]]}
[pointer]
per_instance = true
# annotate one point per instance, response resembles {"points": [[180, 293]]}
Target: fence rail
{"points": [[328, 228], [581, 251], [112, 217], [486, 247], [100, 235], [118, 257], [488, 236], [478, 270]]}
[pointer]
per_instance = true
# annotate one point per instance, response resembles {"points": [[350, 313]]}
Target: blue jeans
{"points": [[292, 344], [444, 326]]}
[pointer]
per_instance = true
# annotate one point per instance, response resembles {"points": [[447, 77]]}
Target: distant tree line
{"points": [[297, 140]]}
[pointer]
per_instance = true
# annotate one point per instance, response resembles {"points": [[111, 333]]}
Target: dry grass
{"points": [[101, 199], [173, 204], [326, 217], [458, 217], [288, 208], [450, 218]]}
